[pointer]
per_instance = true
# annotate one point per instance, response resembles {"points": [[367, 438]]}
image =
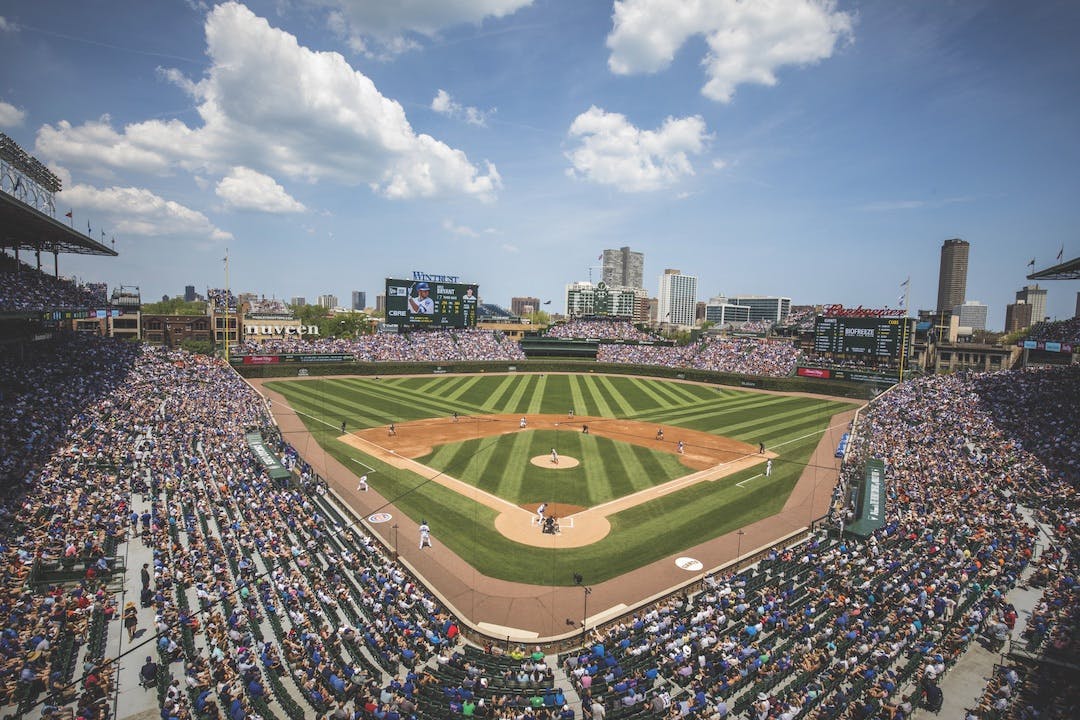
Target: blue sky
{"points": [[818, 150]]}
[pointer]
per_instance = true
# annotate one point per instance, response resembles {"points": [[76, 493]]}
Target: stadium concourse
{"points": [[265, 599]]}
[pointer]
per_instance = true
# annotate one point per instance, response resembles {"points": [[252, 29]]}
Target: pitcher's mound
{"points": [[565, 462]]}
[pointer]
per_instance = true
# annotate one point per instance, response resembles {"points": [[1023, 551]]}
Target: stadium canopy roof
{"points": [[1068, 270], [29, 228]]}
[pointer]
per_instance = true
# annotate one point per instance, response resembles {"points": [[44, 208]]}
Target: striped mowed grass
{"points": [[788, 425]]}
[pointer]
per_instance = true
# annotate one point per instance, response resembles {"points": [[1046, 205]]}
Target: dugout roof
{"points": [[1068, 270], [28, 228]]}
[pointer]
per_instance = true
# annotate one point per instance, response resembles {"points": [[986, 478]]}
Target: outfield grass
{"points": [[790, 426]]}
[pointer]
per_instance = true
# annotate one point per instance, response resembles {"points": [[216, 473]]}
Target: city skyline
{"points": [[329, 146]]}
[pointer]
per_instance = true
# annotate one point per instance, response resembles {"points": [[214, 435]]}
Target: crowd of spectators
{"points": [[427, 346], [1063, 331], [219, 298], [23, 287], [269, 306], [264, 593], [751, 356], [598, 330]]}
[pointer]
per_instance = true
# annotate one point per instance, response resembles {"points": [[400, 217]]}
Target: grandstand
{"points": [[156, 488]]}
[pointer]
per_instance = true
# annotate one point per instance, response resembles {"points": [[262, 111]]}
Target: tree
{"points": [[539, 317], [175, 306]]}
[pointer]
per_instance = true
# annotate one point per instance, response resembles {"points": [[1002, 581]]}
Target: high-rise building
{"points": [[677, 298], [1017, 316], [359, 299], [720, 312], [328, 301], [764, 307], [624, 268], [972, 314], [380, 303], [520, 305], [298, 302], [952, 277], [189, 293], [1034, 296]]}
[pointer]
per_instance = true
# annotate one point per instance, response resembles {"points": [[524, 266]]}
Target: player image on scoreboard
{"points": [[420, 299], [468, 307]]}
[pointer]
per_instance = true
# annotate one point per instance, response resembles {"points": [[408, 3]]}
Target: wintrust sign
{"points": [[272, 330]]}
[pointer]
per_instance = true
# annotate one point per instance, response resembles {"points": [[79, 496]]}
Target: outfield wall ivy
{"points": [[781, 384]]}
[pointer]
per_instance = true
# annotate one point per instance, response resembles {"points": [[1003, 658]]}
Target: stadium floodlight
{"points": [[12, 153]]}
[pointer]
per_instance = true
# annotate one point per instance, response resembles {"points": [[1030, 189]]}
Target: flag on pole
{"points": [[905, 283], [1032, 263], [89, 230], [1061, 252], [600, 256], [68, 214]]}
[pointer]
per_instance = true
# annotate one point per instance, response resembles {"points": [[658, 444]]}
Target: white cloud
{"points": [[748, 41], [443, 104], [614, 152], [137, 211], [387, 23], [459, 230], [6, 25], [10, 116], [96, 144], [269, 104], [246, 189]]}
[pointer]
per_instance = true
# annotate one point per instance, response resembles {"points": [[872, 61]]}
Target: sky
{"points": [[820, 150]]}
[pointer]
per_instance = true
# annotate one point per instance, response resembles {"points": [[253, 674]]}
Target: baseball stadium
{"points": [[559, 526]]}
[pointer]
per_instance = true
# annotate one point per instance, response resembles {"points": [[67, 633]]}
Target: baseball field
{"points": [[624, 495]]}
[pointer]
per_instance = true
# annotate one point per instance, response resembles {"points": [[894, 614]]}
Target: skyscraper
{"points": [[623, 268], [1036, 298], [972, 314], [952, 277], [524, 305], [677, 298], [359, 299]]}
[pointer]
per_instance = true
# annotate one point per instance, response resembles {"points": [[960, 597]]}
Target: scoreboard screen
{"points": [[880, 337], [430, 304]]}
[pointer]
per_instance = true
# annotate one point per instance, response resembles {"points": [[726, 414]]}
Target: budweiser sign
{"points": [[841, 311]]}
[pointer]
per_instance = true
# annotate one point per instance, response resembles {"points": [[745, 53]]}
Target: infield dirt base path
{"points": [[524, 612], [711, 456]]}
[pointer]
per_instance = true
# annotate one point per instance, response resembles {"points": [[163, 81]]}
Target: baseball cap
{"points": [[422, 286]]}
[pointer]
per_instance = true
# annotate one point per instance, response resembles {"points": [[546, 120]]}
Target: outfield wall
{"points": [[789, 384]]}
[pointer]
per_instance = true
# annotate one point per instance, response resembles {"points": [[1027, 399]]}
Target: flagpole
{"points": [[226, 306], [903, 334]]}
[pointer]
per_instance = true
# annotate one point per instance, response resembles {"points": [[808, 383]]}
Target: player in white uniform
{"points": [[554, 456], [422, 303], [425, 535], [362, 487]]}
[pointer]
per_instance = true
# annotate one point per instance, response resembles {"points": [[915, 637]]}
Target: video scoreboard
{"points": [[431, 303], [880, 337]]}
